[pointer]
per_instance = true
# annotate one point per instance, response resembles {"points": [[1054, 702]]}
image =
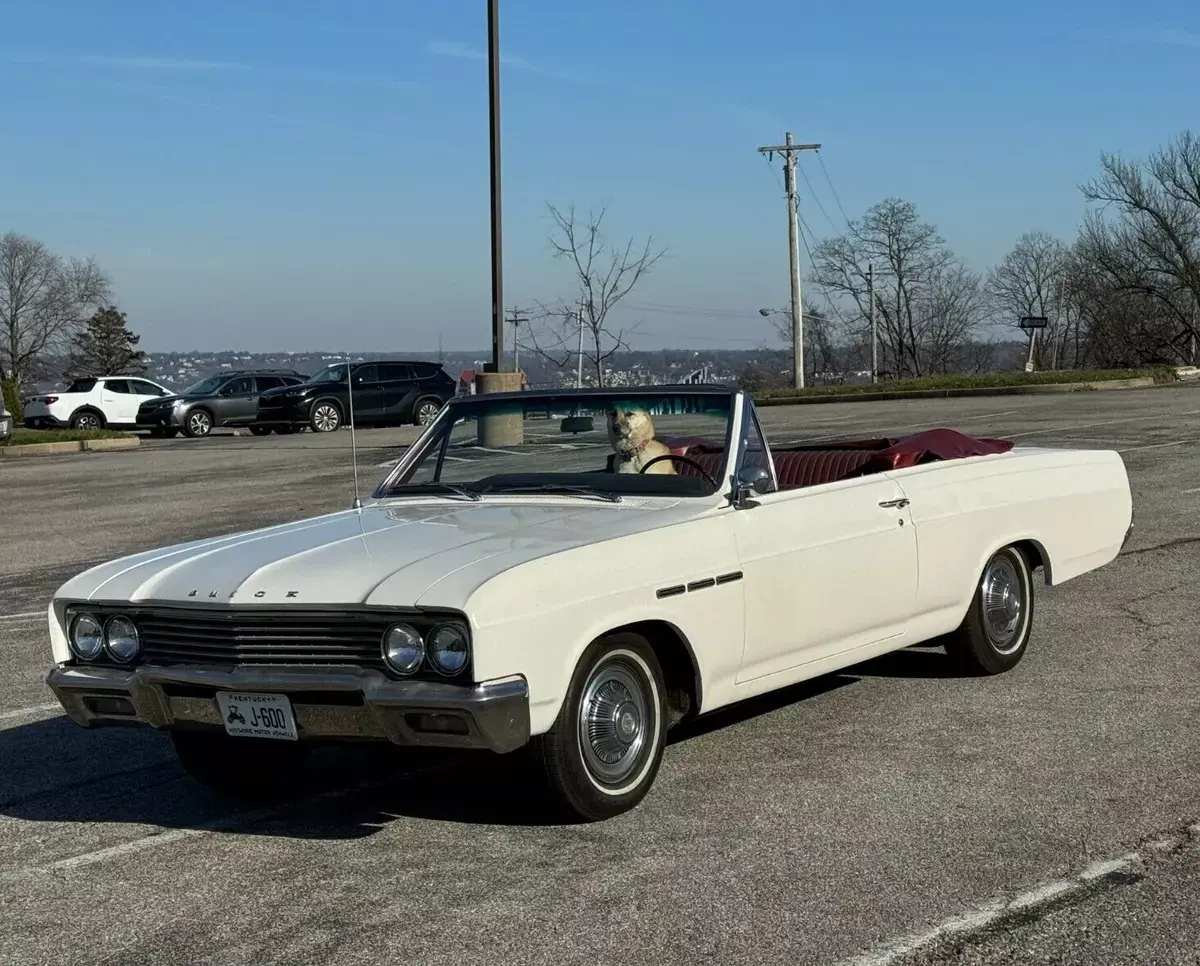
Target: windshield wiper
{"points": [[553, 488], [437, 488]]}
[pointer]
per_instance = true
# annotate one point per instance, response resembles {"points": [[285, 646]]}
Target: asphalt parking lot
{"points": [[887, 814]]}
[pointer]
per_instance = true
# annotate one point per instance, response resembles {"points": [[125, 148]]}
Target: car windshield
{"points": [[334, 373], [82, 385], [591, 445], [205, 387]]}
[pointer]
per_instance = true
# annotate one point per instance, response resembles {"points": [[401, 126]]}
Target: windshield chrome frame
{"points": [[422, 446]]}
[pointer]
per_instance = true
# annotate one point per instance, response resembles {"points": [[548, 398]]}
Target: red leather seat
{"points": [[794, 469], [814, 467]]}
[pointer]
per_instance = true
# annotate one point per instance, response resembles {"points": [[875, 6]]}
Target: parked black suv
{"points": [[226, 399], [387, 392]]}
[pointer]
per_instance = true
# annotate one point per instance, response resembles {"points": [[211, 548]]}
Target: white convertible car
{"points": [[576, 572]]}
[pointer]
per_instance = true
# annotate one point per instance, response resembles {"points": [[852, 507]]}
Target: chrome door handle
{"points": [[896, 503]]}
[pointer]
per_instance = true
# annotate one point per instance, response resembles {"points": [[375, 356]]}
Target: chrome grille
{"points": [[245, 636]]}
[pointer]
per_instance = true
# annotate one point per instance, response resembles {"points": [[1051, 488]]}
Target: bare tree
{"points": [[1152, 248], [1031, 280], [44, 300], [918, 280], [603, 275]]}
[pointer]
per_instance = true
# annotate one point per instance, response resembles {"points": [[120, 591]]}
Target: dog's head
{"points": [[629, 428]]}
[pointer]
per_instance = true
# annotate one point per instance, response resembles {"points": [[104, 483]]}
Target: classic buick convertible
{"points": [[619, 561]]}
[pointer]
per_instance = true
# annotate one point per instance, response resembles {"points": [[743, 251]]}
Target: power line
{"points": [[813, 192], [832, 189]]}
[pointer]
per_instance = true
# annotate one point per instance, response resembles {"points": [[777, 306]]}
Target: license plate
{"points": [[250, 715]]}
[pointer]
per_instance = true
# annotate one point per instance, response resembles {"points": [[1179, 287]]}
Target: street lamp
{"points": [[494, 145]]}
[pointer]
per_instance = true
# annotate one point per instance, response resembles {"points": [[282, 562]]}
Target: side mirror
{"points": [[752, 480]]}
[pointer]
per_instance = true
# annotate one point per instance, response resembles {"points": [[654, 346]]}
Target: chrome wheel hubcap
{"points": [[200, 424], [326, 419], [1003, 593], [613, 717], [427, 413], [88, 422]]}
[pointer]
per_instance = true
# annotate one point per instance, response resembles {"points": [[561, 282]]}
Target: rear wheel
{"points": [[325, 417], [605, 747], [248, 767], [87, 419], [995, 633], [197, 423]]}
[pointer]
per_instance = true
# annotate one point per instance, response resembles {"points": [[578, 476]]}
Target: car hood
{"points": [[389, 553]]}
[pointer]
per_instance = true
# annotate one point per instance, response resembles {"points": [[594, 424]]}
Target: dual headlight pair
{"points": [[118, 637], [445, 647]]}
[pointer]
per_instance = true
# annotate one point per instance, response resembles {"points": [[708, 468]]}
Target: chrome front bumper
{"points": [[328, 703]]}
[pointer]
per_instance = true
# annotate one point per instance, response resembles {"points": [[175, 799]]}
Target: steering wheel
{"points": [[683, 459]]}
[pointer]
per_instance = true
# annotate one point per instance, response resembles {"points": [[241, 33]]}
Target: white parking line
{"points": [[1007, 412], [1193, 490], [1178, 442], [158, 839], [984, 916], [25, 616], [1105, 422], [26, 712]]}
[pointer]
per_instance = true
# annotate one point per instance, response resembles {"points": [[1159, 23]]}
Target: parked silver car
{"points": [[6, 424]]}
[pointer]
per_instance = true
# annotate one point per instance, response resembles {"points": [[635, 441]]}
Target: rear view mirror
{"points": [[577, 424]]}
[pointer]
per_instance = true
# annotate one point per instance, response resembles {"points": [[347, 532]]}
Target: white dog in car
{"points": [[631, 433]]}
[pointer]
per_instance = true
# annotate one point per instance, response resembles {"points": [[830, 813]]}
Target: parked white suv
{"points": [[92, 403]]}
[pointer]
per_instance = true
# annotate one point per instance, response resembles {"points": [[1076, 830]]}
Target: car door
{"points": [[399, 386], [236, 401], [118, 402], [368, 393], [827, 569]]}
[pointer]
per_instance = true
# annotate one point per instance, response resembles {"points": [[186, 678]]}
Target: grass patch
{"points": [[978, 380], [23, 437]]}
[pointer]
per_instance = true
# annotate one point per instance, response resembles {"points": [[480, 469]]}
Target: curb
{"points": [[1140, 382], [70, 446]]}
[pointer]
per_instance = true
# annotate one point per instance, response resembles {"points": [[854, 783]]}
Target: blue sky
{"points": [[312, 174]]}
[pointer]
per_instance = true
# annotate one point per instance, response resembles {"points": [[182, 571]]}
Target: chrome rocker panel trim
{"points": [[496, 712]]}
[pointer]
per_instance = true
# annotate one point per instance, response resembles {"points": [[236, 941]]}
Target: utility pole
{"points": [[874, 330], [516, 320], [788, 149], [579, 370]]}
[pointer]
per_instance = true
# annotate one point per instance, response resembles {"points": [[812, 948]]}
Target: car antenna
{"points": [[353, 431]]}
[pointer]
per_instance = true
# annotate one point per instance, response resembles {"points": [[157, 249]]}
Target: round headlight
{"points": [[403, 648], [86, 637], [121, 639], [448, 649]]}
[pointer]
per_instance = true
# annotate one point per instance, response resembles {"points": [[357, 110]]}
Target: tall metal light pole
{"points": [[497, 233]]}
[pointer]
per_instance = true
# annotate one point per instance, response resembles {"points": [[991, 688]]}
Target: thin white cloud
{"points": [[1175, 38], [463, 51], [1166, 37], [159, 63]]}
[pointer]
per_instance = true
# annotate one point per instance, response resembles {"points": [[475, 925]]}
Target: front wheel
{"points": [[995, 633], [604, 749], [248, 768], [325, 417], [197, 423]]}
